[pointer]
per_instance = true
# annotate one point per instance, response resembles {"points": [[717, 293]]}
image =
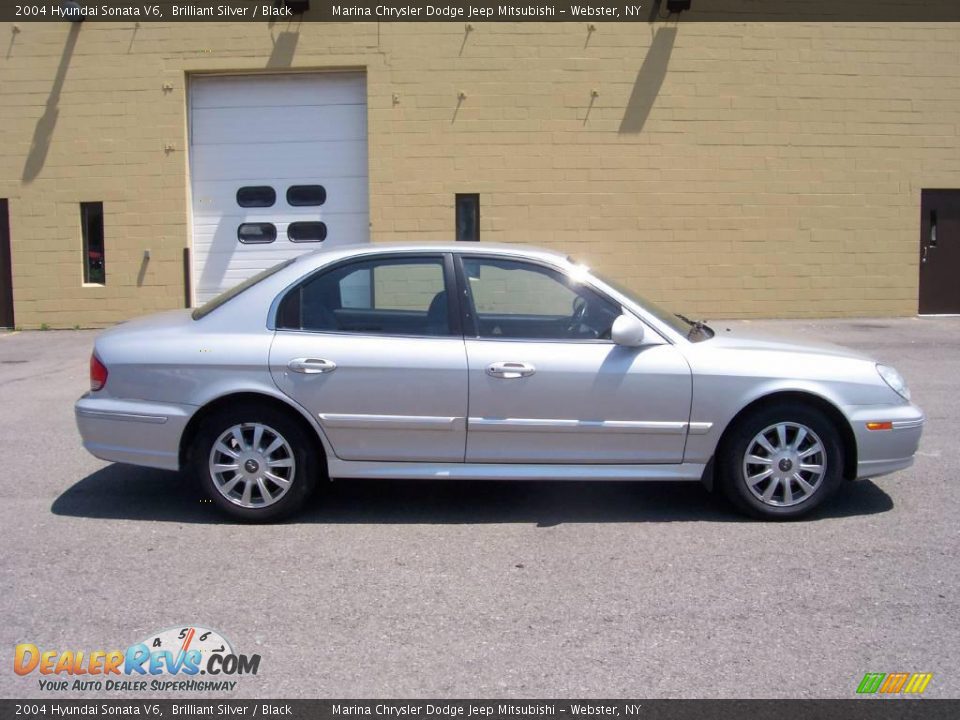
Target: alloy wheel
{"points": [[784, 464], [252, 465]]}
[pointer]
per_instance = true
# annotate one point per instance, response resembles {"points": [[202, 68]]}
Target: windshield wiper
{"points": [[699, 326]]}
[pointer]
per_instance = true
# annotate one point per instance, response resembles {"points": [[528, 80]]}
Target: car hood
{"points": [[737, 339]]}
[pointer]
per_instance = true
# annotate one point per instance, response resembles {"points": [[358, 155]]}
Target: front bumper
{"points": [[132, 431], [880, 452]]}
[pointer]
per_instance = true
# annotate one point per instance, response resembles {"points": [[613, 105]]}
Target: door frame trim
{"points": [[449, 284], [471, 329], [928, 306], [6, 262], [389, 422], [576, 426]]}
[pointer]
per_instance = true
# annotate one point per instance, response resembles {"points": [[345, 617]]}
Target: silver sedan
{"points": [[471, 361]]}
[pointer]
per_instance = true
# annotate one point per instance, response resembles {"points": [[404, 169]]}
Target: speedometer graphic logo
{"points": [[182, 640]]}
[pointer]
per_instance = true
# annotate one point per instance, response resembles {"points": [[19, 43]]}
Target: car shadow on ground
{"points": [[132, 493]]}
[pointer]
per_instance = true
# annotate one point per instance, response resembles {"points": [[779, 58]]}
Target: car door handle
{"points": [[510, 370], [312, 366]]}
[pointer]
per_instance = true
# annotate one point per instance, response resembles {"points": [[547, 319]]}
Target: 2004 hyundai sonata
{"points": [[474, 361]]}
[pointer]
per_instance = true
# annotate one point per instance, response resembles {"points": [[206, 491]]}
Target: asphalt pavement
{"points": [[429, 589]]}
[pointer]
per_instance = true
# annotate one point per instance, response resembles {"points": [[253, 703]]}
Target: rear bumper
{"points": [[132, 431], [880, 452]]}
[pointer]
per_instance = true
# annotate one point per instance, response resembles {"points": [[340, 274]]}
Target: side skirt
{"points": [[348, 469]]}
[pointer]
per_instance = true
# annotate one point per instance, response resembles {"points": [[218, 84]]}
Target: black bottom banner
{"points": [[881, 709]]}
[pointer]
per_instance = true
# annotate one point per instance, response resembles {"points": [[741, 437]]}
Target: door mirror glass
{"points": [[627, 331]]}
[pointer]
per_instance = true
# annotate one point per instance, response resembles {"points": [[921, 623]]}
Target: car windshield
{"points": [[224, 297], [690, 329]]}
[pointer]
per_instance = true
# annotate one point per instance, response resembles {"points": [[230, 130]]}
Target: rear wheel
{"points": [[255, 463], [781, 462]]}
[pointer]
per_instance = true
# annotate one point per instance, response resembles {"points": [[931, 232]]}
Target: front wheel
{"points": [[781, 462], [255, 463]]}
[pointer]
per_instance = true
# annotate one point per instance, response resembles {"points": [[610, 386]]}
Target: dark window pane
{"points": [[468, 217], [94, 260], [257, 233], [302, 232], [390, 296], [520, 300], [256, 196], [303, 195]]}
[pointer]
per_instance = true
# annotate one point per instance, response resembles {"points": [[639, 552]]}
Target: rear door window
{"points": [[379, 296]]}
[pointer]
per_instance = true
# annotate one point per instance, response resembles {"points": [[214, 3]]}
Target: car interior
{"points": [[407, 297]]}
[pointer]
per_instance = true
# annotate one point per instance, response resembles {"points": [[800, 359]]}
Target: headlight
{"points": [[892, 378]]}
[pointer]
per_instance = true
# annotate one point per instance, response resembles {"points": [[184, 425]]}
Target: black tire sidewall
{"points": [[735, 446], [305, 476]]}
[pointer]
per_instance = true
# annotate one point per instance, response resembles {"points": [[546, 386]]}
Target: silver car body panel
{"points": [[398, 399], [881, 452], [592, 410], [166, 366], [733, 370], [584, 402], [132, 431]]}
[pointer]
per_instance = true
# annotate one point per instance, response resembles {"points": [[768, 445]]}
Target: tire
{"points": [[276, 466], [783, 484]]}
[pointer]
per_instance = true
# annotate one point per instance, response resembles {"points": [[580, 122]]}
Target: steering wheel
{"points": [[578, 326]]}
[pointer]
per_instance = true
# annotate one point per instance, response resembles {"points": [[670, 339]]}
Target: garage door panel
{"points": [[230, 269], [256, 163], [251, 259], [277, 131], [342, 228], [244, 91], [227, 226], [213, 198], [221, 126], [227, 261]]}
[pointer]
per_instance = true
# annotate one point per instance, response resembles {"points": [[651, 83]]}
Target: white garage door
{"points": [[278, 167]]}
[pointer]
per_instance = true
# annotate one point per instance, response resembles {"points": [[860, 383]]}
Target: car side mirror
{"points": [[627, 331]]}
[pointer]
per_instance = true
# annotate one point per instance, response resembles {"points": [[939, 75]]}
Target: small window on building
{"points": [[94, 260], [257, 233], [468, 216], [256, 196], [306, 232], [305, 195]]}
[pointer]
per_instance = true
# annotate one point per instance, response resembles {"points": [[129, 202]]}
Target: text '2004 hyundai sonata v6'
{"points": [[480, 362]]}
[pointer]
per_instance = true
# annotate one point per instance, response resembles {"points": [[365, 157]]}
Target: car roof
{"points": [[272, 288], [351, 250]]}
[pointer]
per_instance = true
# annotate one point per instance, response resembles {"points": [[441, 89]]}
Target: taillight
{"points": [[98, 373]]}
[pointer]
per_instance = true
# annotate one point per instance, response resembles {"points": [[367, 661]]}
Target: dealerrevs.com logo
{"points": [[171, 660]]}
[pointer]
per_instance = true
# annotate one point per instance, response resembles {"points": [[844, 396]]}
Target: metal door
{"points": [[940, 252], [543, 402], [383, 371], [6, 269], [546, 387], [278, 167]]}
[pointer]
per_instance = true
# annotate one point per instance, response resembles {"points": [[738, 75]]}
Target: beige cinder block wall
{"points": [[738, 170]]}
